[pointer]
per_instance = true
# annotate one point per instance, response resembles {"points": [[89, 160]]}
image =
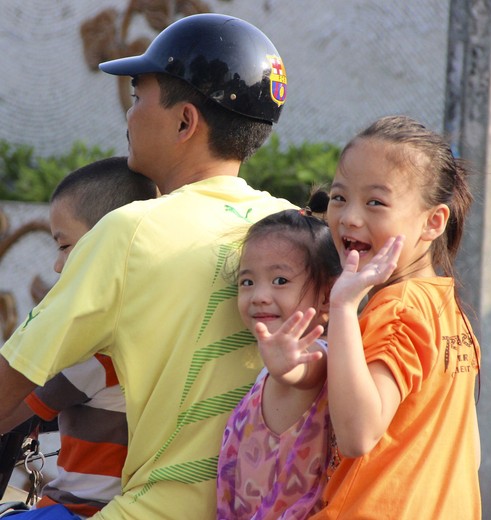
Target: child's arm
{"points": [[14, 387], [297, 370], [362, 398], [478, 443], [18, 416]]}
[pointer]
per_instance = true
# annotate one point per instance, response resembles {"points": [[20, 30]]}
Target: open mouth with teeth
{"points": [[361, 247]]}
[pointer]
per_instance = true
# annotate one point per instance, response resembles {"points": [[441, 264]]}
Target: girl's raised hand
{"points": [[285, 349], [352, 285]]}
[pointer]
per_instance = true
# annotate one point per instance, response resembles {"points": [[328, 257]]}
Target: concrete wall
{"points": [[30, 257], [348, 62]]}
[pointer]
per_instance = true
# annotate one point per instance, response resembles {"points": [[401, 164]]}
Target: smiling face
{"points": [[374, 197], [273, 284]]}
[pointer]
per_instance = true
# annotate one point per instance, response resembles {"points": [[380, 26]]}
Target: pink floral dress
{"points": [[266, 476]]}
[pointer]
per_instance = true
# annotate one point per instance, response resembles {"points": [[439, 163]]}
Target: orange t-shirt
{"points": [[425, 465]]}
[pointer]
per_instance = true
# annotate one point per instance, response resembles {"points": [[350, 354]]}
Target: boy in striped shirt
{"points": [[87, 397]]}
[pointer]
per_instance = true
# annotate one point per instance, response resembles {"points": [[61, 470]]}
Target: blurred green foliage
{"points": [[29, 178], [291, 173]]}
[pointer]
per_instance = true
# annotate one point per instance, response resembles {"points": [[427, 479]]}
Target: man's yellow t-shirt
{"points": [[146, 286]]}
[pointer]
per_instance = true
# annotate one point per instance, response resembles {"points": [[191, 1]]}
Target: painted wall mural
{"points": [[106, 37], [38, 288]]}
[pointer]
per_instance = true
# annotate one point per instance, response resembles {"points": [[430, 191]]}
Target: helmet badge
{"points": [[277, 79]]}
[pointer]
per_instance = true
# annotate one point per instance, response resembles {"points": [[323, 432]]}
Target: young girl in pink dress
{"points": [[276, 446]]}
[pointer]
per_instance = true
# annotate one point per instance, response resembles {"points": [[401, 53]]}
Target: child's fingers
{"points": [[352, 261], [298, 322], [391, 250], [382, 252], [303, 324], [396, 248], [385, 261], [295, 325], [262, 331], [314, 334], [309, 357]]}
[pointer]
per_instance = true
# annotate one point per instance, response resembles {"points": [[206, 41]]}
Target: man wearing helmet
{"points": [[145, 286]]}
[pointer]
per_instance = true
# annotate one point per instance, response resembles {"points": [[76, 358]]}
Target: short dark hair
{"points": [[232, 135], [102, 186]]}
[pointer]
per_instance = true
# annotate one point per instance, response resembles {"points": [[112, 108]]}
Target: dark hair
{"points": [[232, 135], [309, 234], [100, 187], [443, 178]]}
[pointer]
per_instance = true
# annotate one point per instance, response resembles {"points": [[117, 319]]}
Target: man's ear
{"points": [[189, 118], [436, 222]]}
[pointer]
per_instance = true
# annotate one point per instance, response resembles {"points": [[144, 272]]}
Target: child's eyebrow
{"points": [[271, 268], [337, 184], [380, 187], [370, 187]]}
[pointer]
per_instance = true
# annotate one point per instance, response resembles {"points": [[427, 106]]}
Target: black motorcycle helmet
{"points": [[225, 58]]}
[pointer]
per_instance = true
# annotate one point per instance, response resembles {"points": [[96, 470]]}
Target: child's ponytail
{"points": [[459, 205]]}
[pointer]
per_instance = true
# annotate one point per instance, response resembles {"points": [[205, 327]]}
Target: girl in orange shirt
{"points": [[401, 376]]}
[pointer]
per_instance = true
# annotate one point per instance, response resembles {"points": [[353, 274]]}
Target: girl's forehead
{"points": [[273, 245], [400, 155], [278, 238], [376, 161], [373, 148]]}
